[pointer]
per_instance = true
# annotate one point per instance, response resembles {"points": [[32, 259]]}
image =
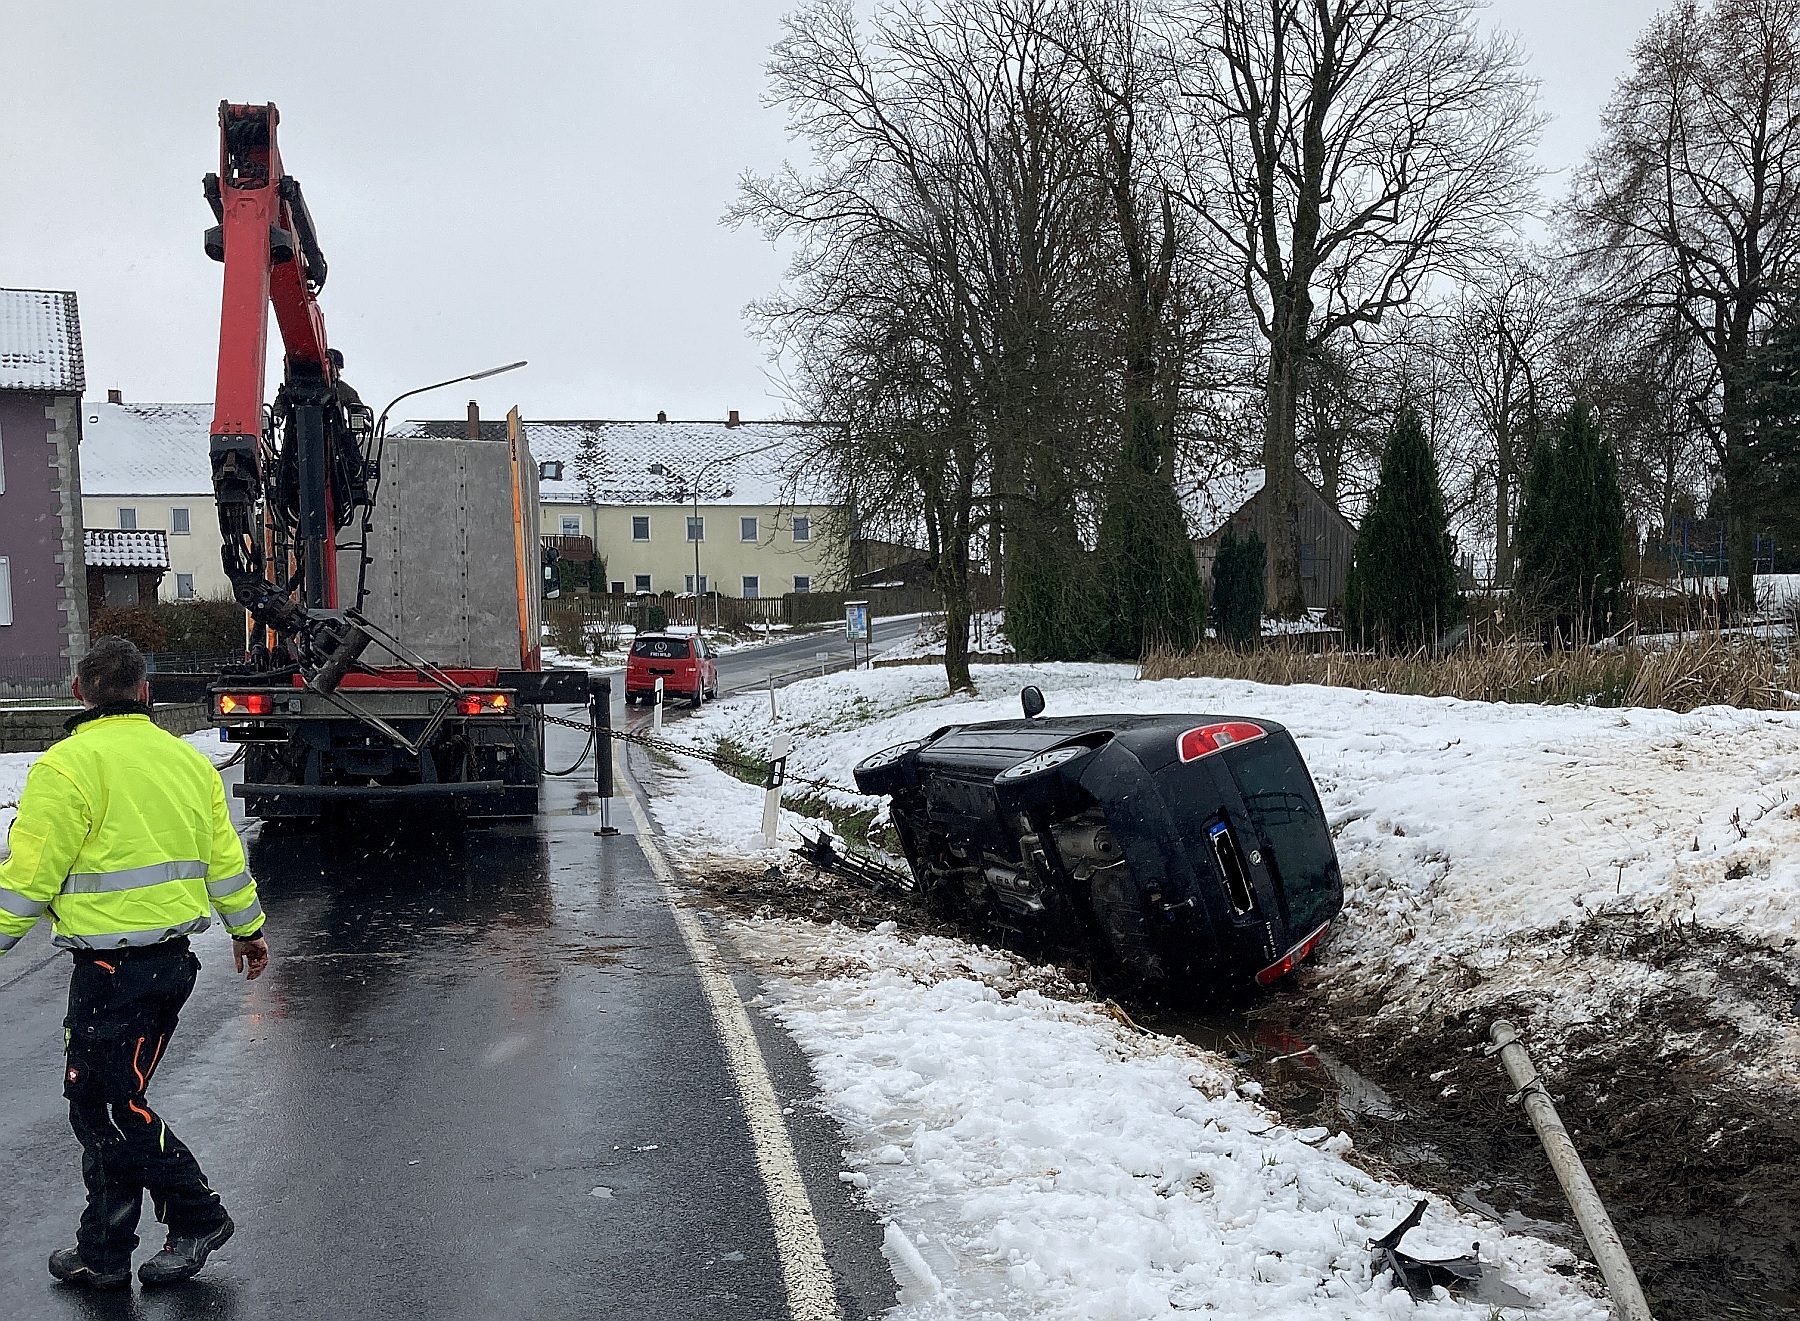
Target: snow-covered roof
{"points": [[107, 549], [1213, 499], [146, 449], [40, 341], [612, 462]]}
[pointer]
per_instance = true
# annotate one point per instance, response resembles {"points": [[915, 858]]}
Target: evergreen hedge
{"points": [[1571, 539]]}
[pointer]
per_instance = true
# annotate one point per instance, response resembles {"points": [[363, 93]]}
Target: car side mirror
{"points": [[1031, 698]]}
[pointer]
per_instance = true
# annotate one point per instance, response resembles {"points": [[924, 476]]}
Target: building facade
{"points": [[627, 491], [43, 582], [146, 468], [1326, 536]]}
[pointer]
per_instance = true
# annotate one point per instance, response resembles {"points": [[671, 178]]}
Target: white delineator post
{"points": [[779, 748], [773, 713], [1590, 1212], [656, 713]]}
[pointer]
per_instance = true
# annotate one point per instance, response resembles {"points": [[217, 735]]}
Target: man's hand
{"points": [[255, 952]]}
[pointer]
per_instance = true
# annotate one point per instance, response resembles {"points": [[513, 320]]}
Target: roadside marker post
{"points": [[773, 713], [779, 748], [656, 715]]}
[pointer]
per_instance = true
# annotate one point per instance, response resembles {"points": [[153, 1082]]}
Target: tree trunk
{"points": [[1280, 482]]}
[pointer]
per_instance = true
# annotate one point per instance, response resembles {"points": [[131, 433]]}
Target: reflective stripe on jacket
{"points": [[123, 836]]}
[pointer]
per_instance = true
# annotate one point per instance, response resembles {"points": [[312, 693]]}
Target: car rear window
{"points": [[660, 648], [1284, 806]]}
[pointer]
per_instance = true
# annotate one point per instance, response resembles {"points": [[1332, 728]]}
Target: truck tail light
{"points": [[245, 704], [484, 704], [1292, 959]]}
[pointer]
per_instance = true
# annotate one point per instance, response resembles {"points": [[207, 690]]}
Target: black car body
{"points": [[1188, 852]]}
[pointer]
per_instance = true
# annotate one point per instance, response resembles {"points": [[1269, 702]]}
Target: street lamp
{"points": [[381, 422]]}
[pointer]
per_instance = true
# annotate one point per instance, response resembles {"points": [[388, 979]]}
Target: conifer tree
{"points": [[1239, 587], [1572, 533], [1401, 592], [1146, 557]]}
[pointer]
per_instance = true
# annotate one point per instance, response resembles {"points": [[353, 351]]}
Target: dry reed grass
{"points": [[1691, 671]]}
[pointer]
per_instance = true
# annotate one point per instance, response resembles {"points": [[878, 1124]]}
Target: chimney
{"points": [[732, 420], [115, 396], [473, 429], [661, 416]]}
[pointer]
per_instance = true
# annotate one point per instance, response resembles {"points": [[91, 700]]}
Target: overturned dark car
{"points": [[1185, 855]]}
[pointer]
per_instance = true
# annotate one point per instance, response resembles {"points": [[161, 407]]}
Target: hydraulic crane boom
{"points": [[288, 479]]}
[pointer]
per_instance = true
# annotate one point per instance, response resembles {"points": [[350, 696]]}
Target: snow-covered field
{"points": [[1480, 843]]}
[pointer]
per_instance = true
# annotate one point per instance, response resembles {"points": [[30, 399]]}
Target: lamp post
{"points": [[381, 422]]}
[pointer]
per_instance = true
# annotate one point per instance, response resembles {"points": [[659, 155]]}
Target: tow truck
{"points": [[399, 663]]}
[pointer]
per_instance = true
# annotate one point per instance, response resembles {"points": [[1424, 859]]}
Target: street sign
{"points": [[856, 621]]}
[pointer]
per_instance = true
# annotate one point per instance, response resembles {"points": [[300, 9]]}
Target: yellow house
{"points": [[652, 498], [145, 468]]}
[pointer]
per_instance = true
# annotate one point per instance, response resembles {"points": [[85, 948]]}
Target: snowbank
{"points": [[1033, 1157]]}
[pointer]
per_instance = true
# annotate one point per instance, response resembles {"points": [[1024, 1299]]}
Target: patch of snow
{"points": [[1033, 1157]]}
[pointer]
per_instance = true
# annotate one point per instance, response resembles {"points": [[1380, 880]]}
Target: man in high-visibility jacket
{"points": [[123, 838]]}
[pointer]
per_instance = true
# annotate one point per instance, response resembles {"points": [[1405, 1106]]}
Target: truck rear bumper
{"points": [[370, 792]]}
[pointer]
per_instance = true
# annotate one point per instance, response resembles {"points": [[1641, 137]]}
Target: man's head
{"points": [[112, 671]]}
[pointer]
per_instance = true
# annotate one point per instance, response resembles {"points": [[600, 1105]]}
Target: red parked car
{"points": [[684, 663]]}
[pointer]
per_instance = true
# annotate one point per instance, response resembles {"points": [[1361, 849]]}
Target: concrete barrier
{"points": [[34, 728]]}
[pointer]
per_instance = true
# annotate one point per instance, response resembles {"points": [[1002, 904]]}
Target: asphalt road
{"points": [[752, 666], [480, 1079]]}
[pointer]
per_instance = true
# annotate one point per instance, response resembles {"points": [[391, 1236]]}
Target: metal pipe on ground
{"points": [[1590, 1212]]}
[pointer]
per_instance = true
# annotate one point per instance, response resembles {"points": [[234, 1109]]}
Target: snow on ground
{"points": [[1042, 1158], [1035, 1158], [1470, 833]]}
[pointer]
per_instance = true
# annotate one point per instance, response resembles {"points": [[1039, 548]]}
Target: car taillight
{"points": [[1208, 739], [484, 704], [245, 704], [1291, 960]]}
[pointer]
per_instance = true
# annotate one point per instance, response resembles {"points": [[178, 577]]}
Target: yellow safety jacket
{"points": [[123, 835]]}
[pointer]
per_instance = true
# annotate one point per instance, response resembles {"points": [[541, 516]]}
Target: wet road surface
{"points": [[479, 1080]]}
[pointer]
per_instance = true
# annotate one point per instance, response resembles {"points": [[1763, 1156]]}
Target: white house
{"points": [[145, 468]]}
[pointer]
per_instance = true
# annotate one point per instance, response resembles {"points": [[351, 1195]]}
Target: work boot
{"points": [[182, 1258], [66, 1265]]}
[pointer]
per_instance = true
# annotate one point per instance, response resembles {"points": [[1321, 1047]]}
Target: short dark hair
{"points": [[112, 671]]}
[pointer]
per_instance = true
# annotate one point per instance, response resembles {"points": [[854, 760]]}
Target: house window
{"points": [[643, 583], [696, 528], [571, 525], [127, 520], [747, 529], [802, 583], [184, 587], [802, 528], [618, 588], [180, 522], [690, 583], [640, 527], [550, 470], [5, 590], [750, 587], [1309, 561]]}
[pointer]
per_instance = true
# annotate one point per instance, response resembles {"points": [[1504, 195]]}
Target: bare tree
{"points": [[1691, 203], [1353, 149], [1505, 335]]}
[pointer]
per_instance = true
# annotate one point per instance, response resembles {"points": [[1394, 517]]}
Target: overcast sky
{"points": [[490, 182]]}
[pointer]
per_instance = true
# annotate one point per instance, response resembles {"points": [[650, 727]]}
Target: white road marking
{"points": [[811, 1293]]}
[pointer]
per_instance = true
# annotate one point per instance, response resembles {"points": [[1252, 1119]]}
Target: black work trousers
{"points": [[122, 1011]]}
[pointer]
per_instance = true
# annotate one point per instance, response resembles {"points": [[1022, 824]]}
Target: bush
{"points": [[654, 618], [207, 627], [1572, 533], [133, 623], [1238, 588], [568, 630], [1401, 592]]}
